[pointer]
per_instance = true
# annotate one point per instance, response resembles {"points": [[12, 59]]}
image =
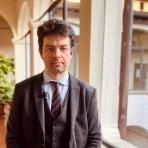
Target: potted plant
{"points": [[6, 81]]}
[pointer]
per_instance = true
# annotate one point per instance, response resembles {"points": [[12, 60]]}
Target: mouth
{"points": [[56, 63]]}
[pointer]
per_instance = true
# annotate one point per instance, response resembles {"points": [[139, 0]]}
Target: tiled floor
{"points": [[2, 132]]}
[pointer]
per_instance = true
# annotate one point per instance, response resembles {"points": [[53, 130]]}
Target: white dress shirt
{"points": [[63, 87]]}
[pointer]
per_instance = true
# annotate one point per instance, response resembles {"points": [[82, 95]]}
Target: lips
{"points": [[57, 63]]}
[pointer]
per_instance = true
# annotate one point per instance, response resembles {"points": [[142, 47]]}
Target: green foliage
{"points": [[6, 79]]}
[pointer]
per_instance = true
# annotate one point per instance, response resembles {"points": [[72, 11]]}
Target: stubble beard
{"points": [[58, 70]]}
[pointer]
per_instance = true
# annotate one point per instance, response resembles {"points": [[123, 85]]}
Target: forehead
{"points": [[56, 40]]}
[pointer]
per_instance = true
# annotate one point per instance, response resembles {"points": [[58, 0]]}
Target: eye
{"points": [[50, 49], [64, 48]]}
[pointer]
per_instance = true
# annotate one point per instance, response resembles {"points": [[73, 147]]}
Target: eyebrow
{"points": [[56, 46]]}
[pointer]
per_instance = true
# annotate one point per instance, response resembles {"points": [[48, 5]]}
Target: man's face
{"points": [[56, 54]]}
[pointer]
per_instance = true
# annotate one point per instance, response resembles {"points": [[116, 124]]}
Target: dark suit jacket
{"points": [[26, 124]]}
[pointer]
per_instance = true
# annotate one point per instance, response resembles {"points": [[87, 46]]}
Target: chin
{"points": [[59, 70]]}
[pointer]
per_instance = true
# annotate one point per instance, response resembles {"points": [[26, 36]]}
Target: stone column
{"points": [[91, 43], [99, 59], [36, 61], [22, 63]]}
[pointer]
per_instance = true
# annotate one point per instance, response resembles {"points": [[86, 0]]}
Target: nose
{"points": [[57, 52]]}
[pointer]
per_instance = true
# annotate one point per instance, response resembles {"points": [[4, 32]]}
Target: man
{"points": [[54, 109]]}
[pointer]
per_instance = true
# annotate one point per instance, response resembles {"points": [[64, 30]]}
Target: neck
{"points": [[57, 76]]}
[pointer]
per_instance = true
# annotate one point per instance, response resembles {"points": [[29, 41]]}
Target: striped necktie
{"points": [[56, 101]]}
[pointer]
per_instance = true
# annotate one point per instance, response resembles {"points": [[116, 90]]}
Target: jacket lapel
{"points": [[39, 100], [74, 99]]}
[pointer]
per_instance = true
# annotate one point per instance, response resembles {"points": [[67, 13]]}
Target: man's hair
{"points": [[55, 26]]}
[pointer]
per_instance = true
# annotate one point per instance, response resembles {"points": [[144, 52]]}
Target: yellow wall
{"points": [[136, 6]]}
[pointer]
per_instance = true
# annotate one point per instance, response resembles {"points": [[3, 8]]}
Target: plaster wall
{"points": [[8, 11], [6, 46]]}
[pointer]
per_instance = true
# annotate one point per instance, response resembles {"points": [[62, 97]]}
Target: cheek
{"points": [[45, 57]]}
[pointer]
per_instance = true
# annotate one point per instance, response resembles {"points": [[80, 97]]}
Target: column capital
{"points": [[17, 40]]}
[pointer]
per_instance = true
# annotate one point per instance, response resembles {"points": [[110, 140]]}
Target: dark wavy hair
{"points": [[55, 26]]}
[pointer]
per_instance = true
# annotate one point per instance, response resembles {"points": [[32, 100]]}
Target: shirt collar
{"points": [[64, 80]]}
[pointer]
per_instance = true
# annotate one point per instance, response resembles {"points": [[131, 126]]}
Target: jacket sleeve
{"points": [[13, 136], [94, 126]]}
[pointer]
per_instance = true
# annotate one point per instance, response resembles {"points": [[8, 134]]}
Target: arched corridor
{"points": [[98, 60]]}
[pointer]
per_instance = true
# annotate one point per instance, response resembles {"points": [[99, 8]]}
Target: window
{"points": [[139, 62], [140, 76]]}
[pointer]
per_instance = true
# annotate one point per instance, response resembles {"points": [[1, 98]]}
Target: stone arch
{"points": [[6, 45], [23, 19], [12, 27]]}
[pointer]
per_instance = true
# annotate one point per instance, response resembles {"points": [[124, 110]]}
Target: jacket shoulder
{"points": [[29, 81], [85, 84], [82, 84]]}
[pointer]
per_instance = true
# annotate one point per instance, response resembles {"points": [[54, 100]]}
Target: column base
{"points": [[112, 137]]}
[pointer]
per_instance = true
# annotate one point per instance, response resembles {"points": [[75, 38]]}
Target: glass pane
{"points": [[139, 62]]}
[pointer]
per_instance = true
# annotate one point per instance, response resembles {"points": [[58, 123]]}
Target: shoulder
{"points": [[86, 92], [29, 81], [84, 86]]}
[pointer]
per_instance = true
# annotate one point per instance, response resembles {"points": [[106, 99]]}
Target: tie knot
{"points": [[54, 84]]}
